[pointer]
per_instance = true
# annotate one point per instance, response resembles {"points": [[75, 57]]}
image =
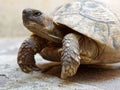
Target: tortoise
{"points": [[80, 32]]}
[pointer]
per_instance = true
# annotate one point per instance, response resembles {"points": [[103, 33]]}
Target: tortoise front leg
{"points": [[70, 55], [26, 53]]}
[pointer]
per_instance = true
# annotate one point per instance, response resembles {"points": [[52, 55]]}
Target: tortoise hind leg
{"points": [[51, 54], [26, 53], [70, 55]]}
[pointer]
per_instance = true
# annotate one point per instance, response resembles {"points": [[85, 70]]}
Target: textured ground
{"points": [[88, 77], [11, 77]]}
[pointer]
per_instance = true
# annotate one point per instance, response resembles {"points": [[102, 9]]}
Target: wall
{"points": [[10, 13]]}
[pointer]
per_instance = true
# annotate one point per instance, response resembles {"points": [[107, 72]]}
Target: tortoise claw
{"points": [[68, 70], [29, 68]]}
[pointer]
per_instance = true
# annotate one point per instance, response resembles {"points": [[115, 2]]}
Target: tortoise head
{"points": [[39, 23]]}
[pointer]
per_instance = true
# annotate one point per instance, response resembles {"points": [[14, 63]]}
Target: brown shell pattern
{"points": [[91, 18]]}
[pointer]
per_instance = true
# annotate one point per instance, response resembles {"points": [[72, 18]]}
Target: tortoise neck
{"points": [[53, 33], [56, 31]]}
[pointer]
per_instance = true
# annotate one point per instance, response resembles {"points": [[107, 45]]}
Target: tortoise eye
{"points": [[37, 13]]}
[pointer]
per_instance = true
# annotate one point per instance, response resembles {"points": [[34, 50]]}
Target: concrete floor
{"points": [[87, 78]]}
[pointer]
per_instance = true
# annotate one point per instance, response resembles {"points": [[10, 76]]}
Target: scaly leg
{"points": [[70, 55], [26, 53]]}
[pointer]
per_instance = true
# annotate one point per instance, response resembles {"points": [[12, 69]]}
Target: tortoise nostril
{"points": [[27, 11]]}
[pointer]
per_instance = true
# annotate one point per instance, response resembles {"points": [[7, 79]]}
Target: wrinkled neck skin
{"points": [[47, 30]]}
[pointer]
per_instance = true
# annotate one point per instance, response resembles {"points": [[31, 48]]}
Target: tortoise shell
{"points": [[92, 19]]}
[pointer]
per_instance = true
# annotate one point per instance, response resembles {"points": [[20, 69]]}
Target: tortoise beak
{"points": [[31, 15], [27, 12], [26, 15]]}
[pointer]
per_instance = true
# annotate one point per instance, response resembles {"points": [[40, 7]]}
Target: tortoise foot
{"points": [[69, 70], [28, 67]]}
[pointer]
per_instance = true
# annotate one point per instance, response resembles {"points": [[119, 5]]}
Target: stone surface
{"points": [[87, 78]]}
